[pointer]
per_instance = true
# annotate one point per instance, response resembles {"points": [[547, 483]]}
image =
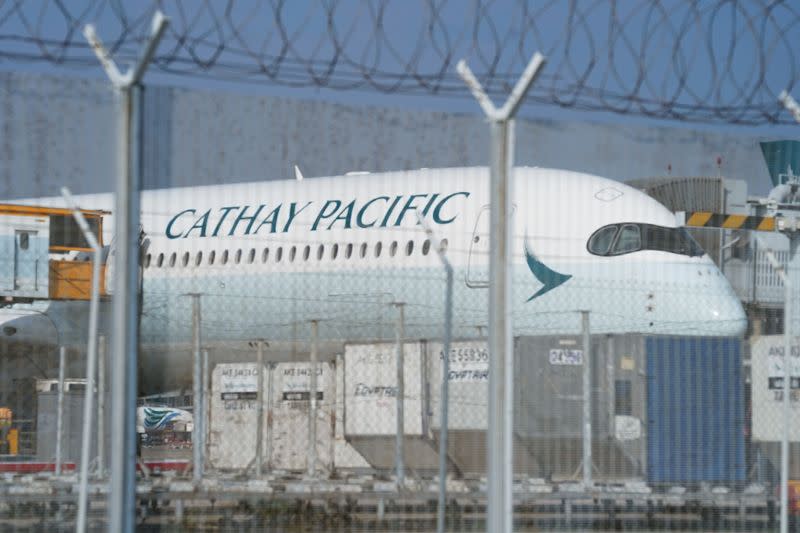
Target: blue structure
{"points": [[695, 410]]}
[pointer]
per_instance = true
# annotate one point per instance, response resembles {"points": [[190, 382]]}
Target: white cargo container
{"points": [[468, 387], [370, 389], [233, 415], [767, 371], [291, 409]]}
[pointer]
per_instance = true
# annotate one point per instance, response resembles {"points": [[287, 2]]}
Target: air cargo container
{"points": [[665, 409]]}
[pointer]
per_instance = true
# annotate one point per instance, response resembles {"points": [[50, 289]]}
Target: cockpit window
{"points": [[629, 240], [675, 240], [619, 239], [601, 241]]}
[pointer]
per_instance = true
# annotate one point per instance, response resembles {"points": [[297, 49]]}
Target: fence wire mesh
{"points": [[291, 360], [683, 418]]}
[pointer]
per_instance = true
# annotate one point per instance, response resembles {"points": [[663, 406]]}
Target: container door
{"points": [[28, 242], [27, 270]]}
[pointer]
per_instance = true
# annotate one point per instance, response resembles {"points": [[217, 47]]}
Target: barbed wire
{"points": [[715, 61]]}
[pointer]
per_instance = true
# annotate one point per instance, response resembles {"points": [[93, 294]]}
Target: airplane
{"points": [[269, 257]]}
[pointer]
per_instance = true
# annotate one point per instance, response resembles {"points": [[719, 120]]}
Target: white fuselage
{"points": [[270, 257]]}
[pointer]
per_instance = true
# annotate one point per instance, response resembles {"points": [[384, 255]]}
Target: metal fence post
{"points": [[312, 398], [787, 384], [501, 348], [101, 406], [206, 414], [91, 359], [62, 356], [787, 377], [445, 385], [125, 338], [260, 410], [400, 400], [790, 281], [197, 393], [270, 376], [587, 400]]}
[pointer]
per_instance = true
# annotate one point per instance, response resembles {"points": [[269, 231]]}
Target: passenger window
{"points": [[393, 249], [364, 250], [252, 255], [306, 252], [160, 261], [147, 261], [279, 254], [185, 260], [198, 259], [410, 248], [172, 259], [320, 252], [292, 253], [265, 255], [378, 248], [238, 256], [334, 251], [224, 259], [600, 243], [426, 247], [629, 240], [211, 256], [348, 251]]}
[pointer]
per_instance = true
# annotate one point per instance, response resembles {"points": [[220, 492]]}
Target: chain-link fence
{"points": [[313, 313], [316, 353]]}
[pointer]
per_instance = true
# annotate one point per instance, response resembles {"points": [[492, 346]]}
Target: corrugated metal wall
{"points": [[61, 131], [695, 401]]}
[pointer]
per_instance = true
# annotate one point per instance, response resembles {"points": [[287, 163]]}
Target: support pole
{"points": [[260, 411], [206, 417], [312, 398], [197, 394], [62, 356], [501, 361], [787, 374], [587, 401], [101, 407], [445, 386], [91, 360], [790, 282], [401, 393], [787, 391], [125, 337], [270, 377]]}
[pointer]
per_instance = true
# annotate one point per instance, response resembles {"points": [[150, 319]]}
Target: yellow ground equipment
{"points": [[9, 435]]}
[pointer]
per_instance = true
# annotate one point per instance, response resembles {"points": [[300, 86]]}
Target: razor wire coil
{"points": [[721, 61]]}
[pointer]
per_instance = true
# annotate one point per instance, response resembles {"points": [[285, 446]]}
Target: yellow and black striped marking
{"points": [[705, 219]]}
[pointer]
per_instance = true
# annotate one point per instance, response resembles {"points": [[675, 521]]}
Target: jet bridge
{"points": [[41, 254]]}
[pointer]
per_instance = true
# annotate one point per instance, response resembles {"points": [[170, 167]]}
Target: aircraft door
{"points": [[478, 264]]}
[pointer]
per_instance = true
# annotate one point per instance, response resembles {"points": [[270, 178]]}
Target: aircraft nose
{"points": [[22, 327], [725, 311]]}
